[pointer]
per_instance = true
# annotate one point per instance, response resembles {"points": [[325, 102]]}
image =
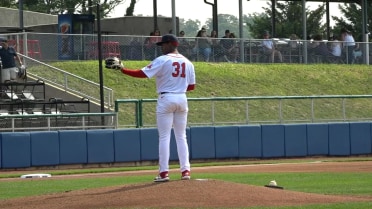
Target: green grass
{"points": [[322, 183], [365, 205], [348, 183]]}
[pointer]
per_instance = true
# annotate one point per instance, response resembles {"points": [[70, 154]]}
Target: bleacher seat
{"points": [[4, 112], [11, 94], [28, 95]]}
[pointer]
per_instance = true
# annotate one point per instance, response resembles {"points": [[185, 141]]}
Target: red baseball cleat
{"points": [[186, 175], [162, 177]]}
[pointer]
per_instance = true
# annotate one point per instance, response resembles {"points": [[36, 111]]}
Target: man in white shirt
{"points": [[269, 48]]}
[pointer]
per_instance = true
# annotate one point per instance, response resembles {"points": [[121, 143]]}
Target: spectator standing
{"points": [[214, 38], [348, 44], [215, 43], [135, 49], [175, 75], [203, 44], [184, 46], [269, 48], [150, 43], [8, 57]]}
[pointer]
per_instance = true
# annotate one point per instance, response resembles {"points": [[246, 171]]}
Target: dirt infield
{"points": [[196, 193]]}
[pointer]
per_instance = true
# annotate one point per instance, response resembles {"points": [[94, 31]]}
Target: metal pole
{"points": [[328, 19], [304, 33], [100, 58], [273, 12], [214, 14], [21, 25], [365, 31], [241, 47], [156, 27], [174, 22]]}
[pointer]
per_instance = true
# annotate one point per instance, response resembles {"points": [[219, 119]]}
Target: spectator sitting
{"points": [[335, 46], [293, 41], [319, 50], [335, 49], [269, 48], [228, 46]]}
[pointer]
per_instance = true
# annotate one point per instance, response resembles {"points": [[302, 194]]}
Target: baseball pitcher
{"points": [[175, 75]]}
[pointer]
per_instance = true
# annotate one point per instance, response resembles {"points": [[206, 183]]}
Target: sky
{"points": [[198, 9]]}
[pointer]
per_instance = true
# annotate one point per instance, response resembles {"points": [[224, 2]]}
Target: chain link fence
{"points": [[52, 47]]}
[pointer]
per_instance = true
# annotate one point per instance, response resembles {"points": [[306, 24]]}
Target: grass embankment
{"points": [[240, 80], [245, 80]]}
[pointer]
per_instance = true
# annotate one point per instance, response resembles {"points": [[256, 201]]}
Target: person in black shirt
{"points": [[8, 57]]}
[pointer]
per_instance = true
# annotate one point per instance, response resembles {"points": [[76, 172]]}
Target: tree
{"points": [[288, 20], [352, 19], [130, 9], [190, 27], [56, 7], [8, 3]]}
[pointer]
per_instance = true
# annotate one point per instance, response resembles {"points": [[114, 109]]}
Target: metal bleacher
{"points": [[28, 99]]}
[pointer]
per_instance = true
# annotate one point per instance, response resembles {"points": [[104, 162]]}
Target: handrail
{"points": [[17, 122], [65, 87], [57, 115], [140, 102]]}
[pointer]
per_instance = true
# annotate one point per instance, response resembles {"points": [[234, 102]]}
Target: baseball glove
{"points": [[22, 74], [113, 63]]}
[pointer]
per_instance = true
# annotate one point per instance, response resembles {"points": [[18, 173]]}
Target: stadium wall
{"points": [[85, 147]]}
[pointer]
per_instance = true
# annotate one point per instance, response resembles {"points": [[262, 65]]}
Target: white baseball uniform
{"points": [[173, 73]]}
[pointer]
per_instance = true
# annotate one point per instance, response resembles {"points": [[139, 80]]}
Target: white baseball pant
{"points": [[172, 109]]}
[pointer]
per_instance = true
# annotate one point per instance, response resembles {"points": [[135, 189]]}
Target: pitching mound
{"points": [[175, 194]]}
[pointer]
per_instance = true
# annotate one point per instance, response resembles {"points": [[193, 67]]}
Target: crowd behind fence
{"points": [[41, 48], [52, 47]]}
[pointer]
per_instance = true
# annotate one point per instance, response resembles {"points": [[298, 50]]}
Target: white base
{"points": [[36, 175]]}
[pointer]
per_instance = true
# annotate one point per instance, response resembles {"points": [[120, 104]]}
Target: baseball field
{"points": [[342, 183], [308, 183]]}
